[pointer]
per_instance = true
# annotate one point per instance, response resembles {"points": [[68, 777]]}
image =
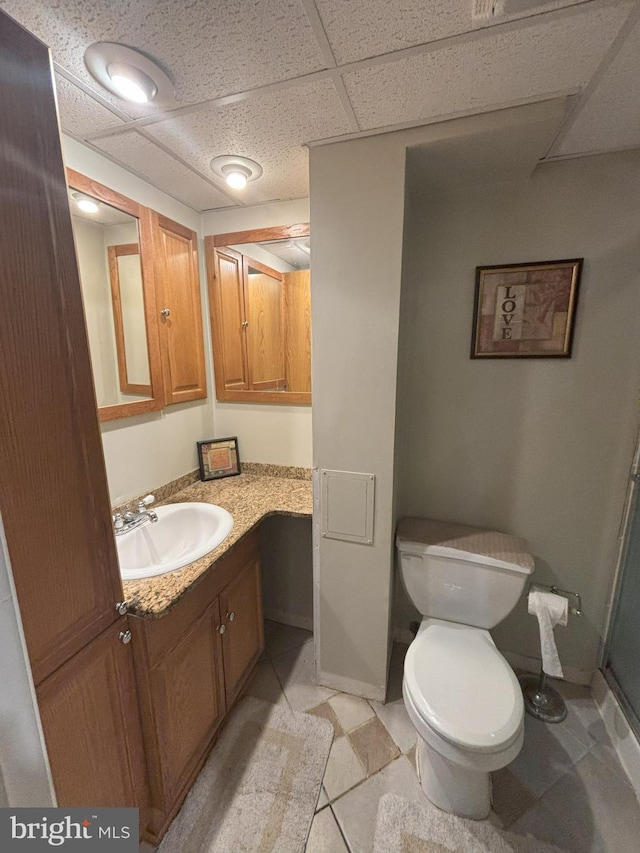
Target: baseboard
{"points": [[618, 729], [350, 685], [571, 673], [305, 622]]}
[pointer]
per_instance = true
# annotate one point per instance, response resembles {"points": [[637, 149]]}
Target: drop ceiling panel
{"points": [[270, 129], [499, 68], [80, 114], [364, 28], [611, 117], [160, 169], [208, 47]]}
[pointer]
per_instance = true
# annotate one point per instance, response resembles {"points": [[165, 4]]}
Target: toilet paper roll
{"points": [[550, 610]]}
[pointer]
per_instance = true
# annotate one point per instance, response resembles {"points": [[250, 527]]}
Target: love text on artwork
{"points": [[509, 312]]}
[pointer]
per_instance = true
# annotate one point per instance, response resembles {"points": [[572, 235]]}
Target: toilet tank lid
{"points": [[462, 541]]}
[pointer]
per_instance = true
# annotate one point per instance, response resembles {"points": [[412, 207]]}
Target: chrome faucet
{"points": [[127, 521]]}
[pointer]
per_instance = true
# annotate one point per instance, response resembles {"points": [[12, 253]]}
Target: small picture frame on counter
{"points": [[218, 457]]}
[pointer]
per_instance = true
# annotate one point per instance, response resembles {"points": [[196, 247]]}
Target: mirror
{"points": [[113, 249], [260, 302]]}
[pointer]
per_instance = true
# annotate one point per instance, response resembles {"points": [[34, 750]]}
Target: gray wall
{"points": [[539, 448], [287, 571]]}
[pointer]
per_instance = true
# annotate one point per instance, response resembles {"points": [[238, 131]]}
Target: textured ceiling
{"points": [[261, 78]]}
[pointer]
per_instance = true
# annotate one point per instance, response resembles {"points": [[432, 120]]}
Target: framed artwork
{"points": [[218, 457], [525, 310]]}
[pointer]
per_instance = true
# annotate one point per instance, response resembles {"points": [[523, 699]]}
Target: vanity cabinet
{"points": [[192, 665], [179, 309]]}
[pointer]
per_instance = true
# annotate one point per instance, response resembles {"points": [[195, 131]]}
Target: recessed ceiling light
{"points": [[85, 203], [128, 73], [236, 170]]}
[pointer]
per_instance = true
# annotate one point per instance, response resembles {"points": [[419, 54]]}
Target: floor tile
{"points": [[343, 769], [351, 711], [296, 673], [325, 710], [280, 638], [145, 847], [323, 800], [590, 810], [510, 797], [325, 835], [266, 686], [605, 752], [396, 720], [583, 718], [413, 759], [549, 751], [373, 745], [356, 811]]}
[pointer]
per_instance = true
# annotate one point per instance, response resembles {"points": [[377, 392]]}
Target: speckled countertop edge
{"points": [[249, 498]]}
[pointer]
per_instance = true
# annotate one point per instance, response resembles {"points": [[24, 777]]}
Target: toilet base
{"points": [[455, 789]]}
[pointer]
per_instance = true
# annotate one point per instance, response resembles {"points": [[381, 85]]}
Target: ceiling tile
{"points": [[364, 28], [498, 68], [270, 129], [209, 47], [80, 114], [163, 171], [610, 118]]}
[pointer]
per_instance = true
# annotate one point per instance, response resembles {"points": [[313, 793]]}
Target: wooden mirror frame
{"points": [[77, 181], [219, 241]]}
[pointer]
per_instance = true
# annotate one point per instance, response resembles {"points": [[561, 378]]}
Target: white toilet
{"points": [[460, 693]]}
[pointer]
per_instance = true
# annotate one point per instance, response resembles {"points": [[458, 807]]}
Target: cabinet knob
{"points": [[231, 616], [125, 637], [221, 629], [121, 608], [245, 324], [166, 312]]}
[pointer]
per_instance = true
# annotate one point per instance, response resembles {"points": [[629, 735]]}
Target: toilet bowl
{"points": [[460, 693]]}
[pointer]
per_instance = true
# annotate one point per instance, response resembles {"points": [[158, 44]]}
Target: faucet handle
{"points": [[118, 521], [145, 502]]}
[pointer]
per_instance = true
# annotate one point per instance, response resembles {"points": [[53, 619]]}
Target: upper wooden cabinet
{"points": [[178, 298], [141, 293], [260, 307]]}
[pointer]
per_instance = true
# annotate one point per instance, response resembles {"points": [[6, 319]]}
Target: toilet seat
{"points": [[462, 689]]}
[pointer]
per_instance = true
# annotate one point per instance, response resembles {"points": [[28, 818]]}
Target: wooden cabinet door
{"points": [[264, 309], [91, 725], [226, 306], [178, 291], [186, 690], [243, 639], [53, 490], [297, 354]]}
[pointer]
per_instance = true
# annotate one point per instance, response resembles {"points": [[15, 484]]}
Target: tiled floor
{"points": [[565, 788]]}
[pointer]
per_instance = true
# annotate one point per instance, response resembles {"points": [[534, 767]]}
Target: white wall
{"points": [[148, 450], [539, 448], [25, 779], [280, 435]]}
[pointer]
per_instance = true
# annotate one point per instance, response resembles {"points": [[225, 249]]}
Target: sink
{"points": [[184, 532]]}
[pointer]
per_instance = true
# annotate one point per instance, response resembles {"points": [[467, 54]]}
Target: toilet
{"points": [[460, 693]]}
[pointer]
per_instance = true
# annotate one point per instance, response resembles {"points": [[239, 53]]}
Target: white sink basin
{"points": [[183, 533]]}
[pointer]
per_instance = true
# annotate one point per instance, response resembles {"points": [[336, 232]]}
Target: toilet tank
{"points": [[461, 573]]}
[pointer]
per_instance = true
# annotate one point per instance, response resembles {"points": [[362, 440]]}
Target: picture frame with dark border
{"points": [[218, 457], [525, 310]]}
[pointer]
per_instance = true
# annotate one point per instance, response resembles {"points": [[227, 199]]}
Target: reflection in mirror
{"points": [[108, 252], [260, 287]]}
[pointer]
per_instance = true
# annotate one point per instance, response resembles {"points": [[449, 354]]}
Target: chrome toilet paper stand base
{"points": [[541, 700]]}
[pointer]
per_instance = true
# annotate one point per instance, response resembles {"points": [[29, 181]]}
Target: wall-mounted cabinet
{"points": [[260, 304], [141, 293]]}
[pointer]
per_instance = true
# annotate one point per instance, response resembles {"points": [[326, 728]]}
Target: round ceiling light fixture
{"points": [[235, 170], [85, 202], [128, 73]]}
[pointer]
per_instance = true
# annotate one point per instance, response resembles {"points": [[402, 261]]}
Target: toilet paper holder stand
{"points": [[541, 700]]}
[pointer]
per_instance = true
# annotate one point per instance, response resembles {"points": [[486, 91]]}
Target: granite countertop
{"points": [[249, 498]]}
